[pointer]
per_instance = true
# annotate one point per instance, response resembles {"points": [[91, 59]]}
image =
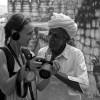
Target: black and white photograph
{"points": [[49, 49]]}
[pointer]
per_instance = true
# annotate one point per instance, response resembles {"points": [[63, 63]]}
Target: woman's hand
{"points": [[31, 76], [26, 75], [22, 74], [35, 65]]}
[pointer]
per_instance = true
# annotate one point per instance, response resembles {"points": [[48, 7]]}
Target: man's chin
{"points": [[54, 50]]}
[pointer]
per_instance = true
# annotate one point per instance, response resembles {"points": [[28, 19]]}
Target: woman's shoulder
{"points": [[2, 56], [1, 53]]}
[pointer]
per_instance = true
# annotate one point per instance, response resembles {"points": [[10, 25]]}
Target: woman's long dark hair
{"points": [[15, 22]]}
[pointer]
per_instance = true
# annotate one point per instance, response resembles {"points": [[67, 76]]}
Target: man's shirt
{"points": [[72, 64]]}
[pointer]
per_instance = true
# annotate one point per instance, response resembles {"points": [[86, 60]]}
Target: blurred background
{"points": [[86, 13]]}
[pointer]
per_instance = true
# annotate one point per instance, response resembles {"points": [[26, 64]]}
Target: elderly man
{"points": [[69, 69]]}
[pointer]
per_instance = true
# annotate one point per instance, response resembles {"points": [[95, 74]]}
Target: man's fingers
{"points": [[56, 65]]}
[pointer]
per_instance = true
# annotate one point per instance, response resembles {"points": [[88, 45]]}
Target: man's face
{"points": [[56, 40], [26, 34]]}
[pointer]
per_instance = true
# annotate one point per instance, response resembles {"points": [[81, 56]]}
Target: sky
{"points": [[3, 7], [3, 2]]}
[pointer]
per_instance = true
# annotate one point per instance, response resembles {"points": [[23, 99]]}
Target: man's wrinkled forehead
{"points": [[57, 31]]}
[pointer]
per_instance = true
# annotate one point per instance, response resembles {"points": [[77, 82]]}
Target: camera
{"points": [[45, 71]]}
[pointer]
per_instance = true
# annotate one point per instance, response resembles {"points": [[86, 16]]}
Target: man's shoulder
{"points": [[75, 50]]}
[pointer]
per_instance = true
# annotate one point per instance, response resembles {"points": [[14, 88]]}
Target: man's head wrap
{"points": [[63, 21]]}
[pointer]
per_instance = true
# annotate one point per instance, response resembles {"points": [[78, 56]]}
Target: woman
{"points": [[18, 32]]}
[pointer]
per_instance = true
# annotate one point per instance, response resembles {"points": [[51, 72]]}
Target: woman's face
{"points": [[26, 34]]}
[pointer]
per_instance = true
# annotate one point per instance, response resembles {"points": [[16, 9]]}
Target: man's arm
{"points": [[80, 71], [80, 80], [42, 84], [72, 84]]}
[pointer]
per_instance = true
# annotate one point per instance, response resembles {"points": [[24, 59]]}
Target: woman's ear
{"points": [[15, 35]]}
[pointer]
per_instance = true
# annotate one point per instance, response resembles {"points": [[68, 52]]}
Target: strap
{"points": [[19, 84], [2, 96], [13, 53], [10, 61]]}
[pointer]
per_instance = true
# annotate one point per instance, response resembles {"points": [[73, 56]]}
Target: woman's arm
{"points": [[7, 85]]}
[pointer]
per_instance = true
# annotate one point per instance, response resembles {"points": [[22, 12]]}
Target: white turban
{"points": [[61, 20]]}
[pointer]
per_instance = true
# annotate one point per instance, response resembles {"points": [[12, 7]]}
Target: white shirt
{"points": [[72, 64]]}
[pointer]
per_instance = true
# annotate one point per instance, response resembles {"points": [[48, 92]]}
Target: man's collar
{"points": [[65, 52]]}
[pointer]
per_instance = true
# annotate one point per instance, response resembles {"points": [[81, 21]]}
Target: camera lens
{"points": [[45, 74]]}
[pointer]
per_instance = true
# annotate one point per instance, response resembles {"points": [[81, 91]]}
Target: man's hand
{"points": [[55, 68]]}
